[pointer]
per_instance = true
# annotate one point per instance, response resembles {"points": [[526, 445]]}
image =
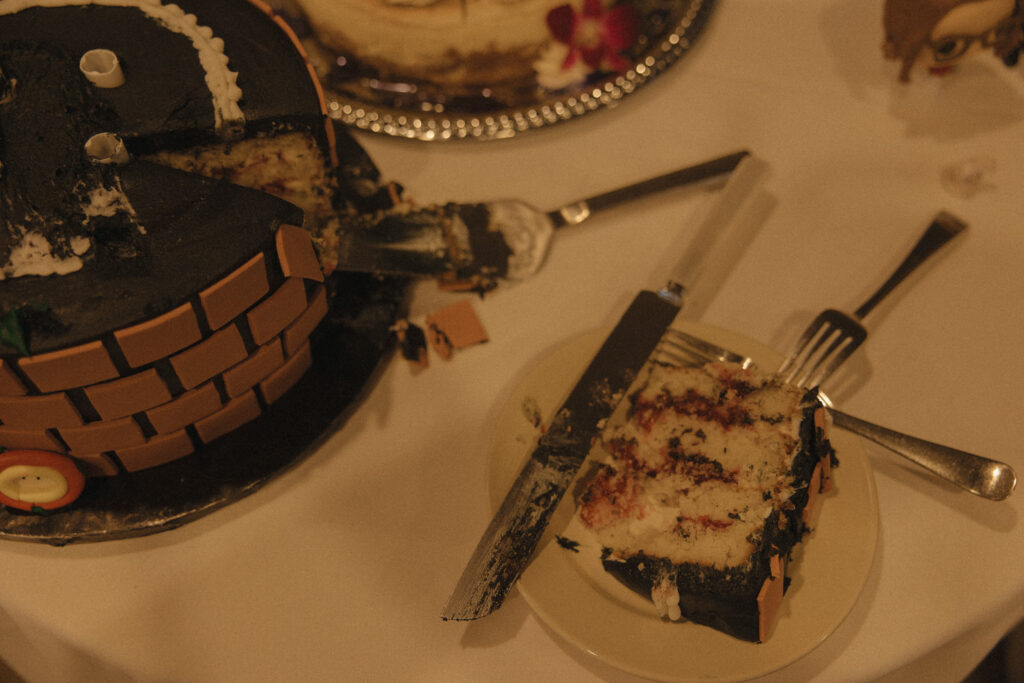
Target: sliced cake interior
{"points": [[709, 481]]}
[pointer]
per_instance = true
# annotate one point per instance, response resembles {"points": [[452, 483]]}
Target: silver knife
{"points": [[513, 534]]}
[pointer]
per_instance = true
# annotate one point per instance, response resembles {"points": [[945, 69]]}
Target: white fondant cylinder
{"points": [[102, 68], [106, 148]]}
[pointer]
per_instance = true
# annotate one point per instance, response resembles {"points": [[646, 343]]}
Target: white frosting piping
{"points": [[221, 81]]}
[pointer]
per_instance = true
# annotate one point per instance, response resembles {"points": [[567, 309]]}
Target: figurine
{"points": [[937, 34]]}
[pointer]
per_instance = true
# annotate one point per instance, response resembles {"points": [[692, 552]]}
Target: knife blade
{"points": [[479, 242], [516, 528]]}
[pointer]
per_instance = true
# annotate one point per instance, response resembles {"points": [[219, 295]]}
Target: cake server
{"points": [[477, 243], [515, 530]]}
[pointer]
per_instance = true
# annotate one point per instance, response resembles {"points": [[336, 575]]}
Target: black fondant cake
{"points": [[150, 308]]}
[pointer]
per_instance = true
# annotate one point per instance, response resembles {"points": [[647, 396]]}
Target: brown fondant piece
{"points": [[814, 498], [209, 357], [96, 465], [156, 451], [107, 435], [69, 368], [769, 599], [454, 327], [185, 409], [827, 483], [275, 386], [254, 369], [39, 412], [298, 332], [159, 337], [32, 439], [296, 253], [277, 311], [236, 413], [10, 385], [821, 422], [232, 296], [128, 395]]}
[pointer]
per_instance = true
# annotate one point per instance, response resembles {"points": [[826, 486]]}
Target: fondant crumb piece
{"points": [[412, 342], [965, 178], [454, 327]]}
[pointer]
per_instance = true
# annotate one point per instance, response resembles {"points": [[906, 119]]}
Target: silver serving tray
{"points": [[422, 111]]}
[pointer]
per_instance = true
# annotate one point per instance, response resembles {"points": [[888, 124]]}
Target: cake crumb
{"points": [[531, 409], [412, 342]]}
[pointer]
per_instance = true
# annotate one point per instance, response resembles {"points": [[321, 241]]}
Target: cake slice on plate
{"points": [[712, 478]]}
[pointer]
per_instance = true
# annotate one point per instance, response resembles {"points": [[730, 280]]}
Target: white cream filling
{"points": [[33, 255]]}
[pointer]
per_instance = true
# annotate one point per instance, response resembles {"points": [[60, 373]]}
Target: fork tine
{"points": [[679, 342], [806, 348], [825, 344], [827, 362], [790, 364], [836, 360]]}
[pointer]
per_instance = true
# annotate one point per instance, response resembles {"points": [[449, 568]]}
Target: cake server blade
{"points": [[478, 243], [516, 528]]}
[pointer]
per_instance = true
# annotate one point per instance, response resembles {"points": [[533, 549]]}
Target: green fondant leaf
{"points": [[11, 333]]}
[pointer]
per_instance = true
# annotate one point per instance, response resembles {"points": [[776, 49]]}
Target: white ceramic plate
{"points": [[573, 595]]}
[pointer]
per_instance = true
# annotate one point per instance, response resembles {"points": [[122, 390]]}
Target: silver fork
{"points": [[981, 476], [831, 337]]}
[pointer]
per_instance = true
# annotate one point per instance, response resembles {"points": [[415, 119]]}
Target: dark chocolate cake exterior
{"points": [[148, 306], [710, 482]]}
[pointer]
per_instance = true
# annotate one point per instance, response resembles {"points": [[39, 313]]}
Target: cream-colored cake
{"points": [[467, 42]]}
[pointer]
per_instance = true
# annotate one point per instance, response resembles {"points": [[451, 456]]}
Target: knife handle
{"points": [[577, 212], [720, 226]]}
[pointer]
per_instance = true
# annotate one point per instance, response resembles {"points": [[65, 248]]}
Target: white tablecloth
{"points": [[338, 569]]}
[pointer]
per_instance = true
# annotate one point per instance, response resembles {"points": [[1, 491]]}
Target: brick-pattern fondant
{"points": [[10, 385], [298, 332], [297, 254], [96, 464], [209, 357], [39, 412], [277, 311], [32, 439], [156, 451], [253, 369], [69, 368], [236, 413], [160, 337], [182, 374], [108, 435], [185, 409], [229, 298], [128, 395], [282, 379]]}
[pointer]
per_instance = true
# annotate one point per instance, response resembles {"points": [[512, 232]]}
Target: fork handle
{"points": [[944, 227], [982, 476], [577, 212]]}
